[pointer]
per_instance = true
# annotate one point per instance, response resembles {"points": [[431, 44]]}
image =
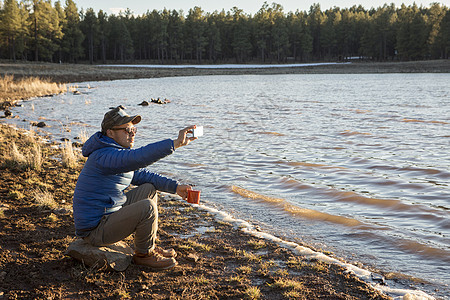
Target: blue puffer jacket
{"points": [[108, 171]]}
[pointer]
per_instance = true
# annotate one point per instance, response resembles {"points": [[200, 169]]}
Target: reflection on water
{"points": [[354, 164]]}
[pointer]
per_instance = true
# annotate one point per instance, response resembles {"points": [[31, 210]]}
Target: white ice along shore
{"points": [[367, 276], [227, 66]]}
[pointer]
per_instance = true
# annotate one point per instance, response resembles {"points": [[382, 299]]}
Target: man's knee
{"points": [[144, 191], [149, 207], [149, 190]]}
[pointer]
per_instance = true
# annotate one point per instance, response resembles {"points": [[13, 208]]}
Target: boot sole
{"points": [[156, 268]]}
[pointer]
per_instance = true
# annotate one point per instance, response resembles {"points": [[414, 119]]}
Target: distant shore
{"points": [[65, 73]]}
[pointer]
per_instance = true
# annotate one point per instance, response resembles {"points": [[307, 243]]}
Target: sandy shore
{"points": [[78, 72]]}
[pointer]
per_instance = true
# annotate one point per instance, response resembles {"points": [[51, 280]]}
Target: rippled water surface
{"points": [[354, 164]]}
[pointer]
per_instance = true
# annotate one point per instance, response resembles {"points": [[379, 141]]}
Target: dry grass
{"points": [[83, 136], [252, 292], [44, 199], [30, 157], [285, 283], [24, 88], [256, 244], [69, 157]]}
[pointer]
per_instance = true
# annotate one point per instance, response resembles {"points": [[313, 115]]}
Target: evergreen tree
{"points": [[121, 42], [262, 31], [316, 18], [46, 30], [73, 37], [175, 32], [241, 35], [435, 14], [195, 37], [378, 40], [89, 27], [10, 26], [279, 33], [62, 17], [103, 29], [444, 36], [412, 34], [328, 38], [300, 38]]}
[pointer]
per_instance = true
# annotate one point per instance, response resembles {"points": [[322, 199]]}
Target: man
{"points": [[103, 212]]}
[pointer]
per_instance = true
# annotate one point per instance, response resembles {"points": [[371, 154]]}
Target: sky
{"points": [[139, 7]]}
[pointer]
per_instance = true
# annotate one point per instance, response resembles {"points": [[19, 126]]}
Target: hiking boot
{"points": [[166, 253], [154, 260]]}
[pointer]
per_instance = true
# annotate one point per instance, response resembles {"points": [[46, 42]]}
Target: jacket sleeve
{"points": [[120, 160], [161, 183]]}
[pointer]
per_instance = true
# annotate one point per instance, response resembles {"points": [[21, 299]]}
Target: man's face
{"points": [[123, 134]]}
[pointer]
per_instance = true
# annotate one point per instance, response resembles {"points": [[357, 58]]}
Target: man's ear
{"points": [[108, 133]]}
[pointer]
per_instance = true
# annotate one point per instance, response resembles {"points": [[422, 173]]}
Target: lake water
{"points": [[357, 165]]}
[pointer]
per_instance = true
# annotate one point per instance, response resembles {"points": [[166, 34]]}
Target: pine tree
{"points": [[435, 14], [73, 37], [262, 31], [444, 36], [300, 38], [316, 18], [175, 31], [103, 28], [46, 30], [241, 35], [10, 26], [195, 32], [89, 27], [62, 17]]}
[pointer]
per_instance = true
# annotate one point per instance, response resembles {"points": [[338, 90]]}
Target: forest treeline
{"points": [[36, 30]]}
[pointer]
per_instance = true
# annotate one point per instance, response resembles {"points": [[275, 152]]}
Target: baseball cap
{"points": [[116, 117]]}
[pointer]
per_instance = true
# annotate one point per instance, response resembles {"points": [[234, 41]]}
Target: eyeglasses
{"points": [[128, 130]]}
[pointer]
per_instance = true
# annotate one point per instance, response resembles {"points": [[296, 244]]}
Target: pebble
{"points": [[192, 257], [378, 278]]}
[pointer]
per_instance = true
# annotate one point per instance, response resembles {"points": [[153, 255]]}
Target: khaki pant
{"points": [[138, 215]]}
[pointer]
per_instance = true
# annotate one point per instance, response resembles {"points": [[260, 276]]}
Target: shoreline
{"points": [[69, 73]]}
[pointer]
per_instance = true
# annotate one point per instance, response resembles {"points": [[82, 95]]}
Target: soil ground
{"points": [[220, 263]]}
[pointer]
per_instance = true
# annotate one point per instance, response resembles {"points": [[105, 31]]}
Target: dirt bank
{"points": [[79, 72]]}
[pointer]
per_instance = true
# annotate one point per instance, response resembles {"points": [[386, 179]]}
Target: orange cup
{"points": [[193, 197]]}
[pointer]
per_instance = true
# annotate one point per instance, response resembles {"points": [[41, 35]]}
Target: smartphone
{"points": [[198, 131]]}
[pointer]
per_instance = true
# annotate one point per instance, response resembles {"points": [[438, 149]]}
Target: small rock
{"points": [[62, 211], [65, 140], [116, 257], [378, 278], [192, 257], [2, 276], [40, 124], [144, 103], [8, 113], [120, 106], [76, 93]]}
